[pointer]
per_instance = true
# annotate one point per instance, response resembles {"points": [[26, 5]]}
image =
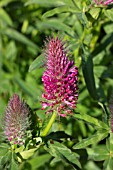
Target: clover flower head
{"points": [[16, 120], [60, 79], [108, 2]]}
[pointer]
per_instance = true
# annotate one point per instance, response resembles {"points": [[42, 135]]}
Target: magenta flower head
{"points": [[16, 120], [103, 2], [60, 79], [108, 2]]}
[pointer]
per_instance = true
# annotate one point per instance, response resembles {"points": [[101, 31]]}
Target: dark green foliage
{"points": [[88, 30]]}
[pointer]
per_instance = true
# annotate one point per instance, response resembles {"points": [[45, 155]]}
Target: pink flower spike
{"points": [[60, 79], [16, 120], [108, 2]]}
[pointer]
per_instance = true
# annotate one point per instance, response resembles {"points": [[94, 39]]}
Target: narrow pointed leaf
{"points": [[87, 68], [28, 88], [45, 3], [18, 37], [91, 140], [60, 10], [37, 63], [91, 120], [55, 24], [5, 17]]}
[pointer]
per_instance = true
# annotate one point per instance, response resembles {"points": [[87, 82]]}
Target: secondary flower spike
{"points": [[16, 120], [60, 79]]}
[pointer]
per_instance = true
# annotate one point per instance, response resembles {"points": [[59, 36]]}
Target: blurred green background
{"points": [[88, 30]]}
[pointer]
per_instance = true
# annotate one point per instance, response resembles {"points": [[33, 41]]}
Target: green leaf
{"points": [[98, 153], [20, 149], [45, 3], [6, 159], [109, 13], [14, 165], [107, 40], [27, 154], [11, 50], [97, 137], [59, 150], [19, 37], [108, 164], [28, 88], [4, 148], [91, 120], [55, 24], [5, 2], [5, 17], [37, 63], [39, 161], [55, 160], [111, 143], [60, 10], [87, 68], [94, 12], [99, 70]]}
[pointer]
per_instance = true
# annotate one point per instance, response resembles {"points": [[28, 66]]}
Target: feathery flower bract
{"points": [[60, 79], [16, 120]]}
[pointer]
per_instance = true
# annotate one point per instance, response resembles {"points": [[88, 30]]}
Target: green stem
{"points": [[48, 127], [104, 111]]}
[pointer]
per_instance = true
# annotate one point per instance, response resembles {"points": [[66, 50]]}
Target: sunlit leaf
{"points": [[59, 150], [94, 12], [108, 164], [45, 2], [91, 120], [28, 153], [109, 13], [98, 153]]}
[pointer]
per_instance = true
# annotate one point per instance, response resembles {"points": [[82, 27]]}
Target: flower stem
{"points": [[51, 121]]}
